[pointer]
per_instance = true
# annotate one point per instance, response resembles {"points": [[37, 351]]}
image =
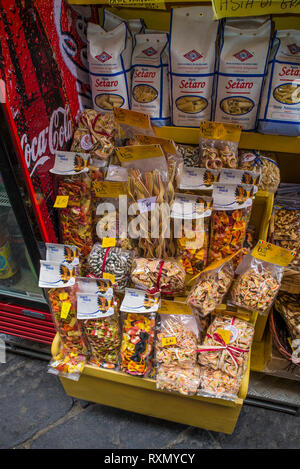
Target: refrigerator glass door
{"points": [[18, 278]]}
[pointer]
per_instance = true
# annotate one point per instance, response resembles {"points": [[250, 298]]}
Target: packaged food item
{"points": [[116, 173], [113, 263], [131, 123], [259, 276], [158, 275], [267, 165], [96, 134], [226, 346], [111, 21], [193, 34], [241, 71], [150, 85], [250, 239], [192, 235], [97, 170], [67, 365], [286, 222], [216, 383], [75, 213], [173, 157], [98, 313], [238, 176], [139, 301], [109, 59], [182, 380], [280, 108], [190, 154], [288, 305], [138, 330], [62, 253], [232, 205], [219, 145], [150, 193], [177, 340], [211, 286], [200, 180]]}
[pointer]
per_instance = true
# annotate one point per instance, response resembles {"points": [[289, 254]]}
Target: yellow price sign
{"points": [[61, 201], [151, 4], [165, 341], [271, 253], [225, 334], [108, 276], [65, 308], [234, 8], [109, 242]]}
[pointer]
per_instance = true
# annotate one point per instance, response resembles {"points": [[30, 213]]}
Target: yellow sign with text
{"points": [[151, 4], [234, 8], [274, 254]]}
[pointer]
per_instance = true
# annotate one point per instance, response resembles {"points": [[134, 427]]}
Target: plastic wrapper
{"points": [[266, 164], [158, 275], [286, 222], [137, 346], [250, 238], [216, 383], [151, 193], [190, 155], [219, 145], [180, 380], [96, 134], [113, 263], [76, 219], [231, 212], [288, 305], [211, 286], [131, 123], [192, 235], [226, 346], [257, 284], [67, 366]]}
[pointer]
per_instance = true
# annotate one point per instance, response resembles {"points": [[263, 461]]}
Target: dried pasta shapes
{"points": [[288, 305], [286, 223], [229, 220], [280, 107], [259, 276], [236, 106], [226, 346], [265, 164], [191, 104], [216, 383], [219, 145]]}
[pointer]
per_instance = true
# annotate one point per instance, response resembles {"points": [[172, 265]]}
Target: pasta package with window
{"points": [[218, 145], [150, 87], [193, 34], [232, 204], [241, 72], [280, 109], [109, 58], [259, 276]]}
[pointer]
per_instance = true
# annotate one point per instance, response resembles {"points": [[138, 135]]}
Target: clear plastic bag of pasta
{"points": [[259, 276], [211, 286], [131, 123], [266, 164], [217, 384], [227, 345], [67, 365], [137, 345], [180, 380], [219, 145]]}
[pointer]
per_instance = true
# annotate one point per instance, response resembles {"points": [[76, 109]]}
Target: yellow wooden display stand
{"points": [[140, 395]]}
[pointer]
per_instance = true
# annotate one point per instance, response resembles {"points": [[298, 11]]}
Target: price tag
{"points": [[63, 296], [61, 201], [165, 341], [150, 4], [65, 308], [174, 307], [111, 277], [225, 334], [139, 152], [274, 254], [108, 242]]}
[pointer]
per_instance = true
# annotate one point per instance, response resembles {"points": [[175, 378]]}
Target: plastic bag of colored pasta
{"points": [[232, 205], [216, 383], [211, 286], [180, 380], [67, 365], [226, 346]]}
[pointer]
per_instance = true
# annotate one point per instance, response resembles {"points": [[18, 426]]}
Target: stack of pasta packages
{"points": [[137, 290], [285, 231]]}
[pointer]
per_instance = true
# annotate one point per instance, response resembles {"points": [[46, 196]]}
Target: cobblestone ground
{"points": [[36, 413]]}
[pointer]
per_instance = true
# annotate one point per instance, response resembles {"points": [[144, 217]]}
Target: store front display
{"points": [[175, 242]]}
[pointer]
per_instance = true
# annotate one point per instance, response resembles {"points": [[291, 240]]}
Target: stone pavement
{"points": [[36, 413]]}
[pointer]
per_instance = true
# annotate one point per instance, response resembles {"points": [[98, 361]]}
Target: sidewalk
{"points": [[36, 413]]}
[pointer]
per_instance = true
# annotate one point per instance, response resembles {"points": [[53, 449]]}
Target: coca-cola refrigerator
{"points": [[44, 84]]}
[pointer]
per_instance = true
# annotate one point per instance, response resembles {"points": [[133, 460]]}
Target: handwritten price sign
{"points": [[233, 8]]}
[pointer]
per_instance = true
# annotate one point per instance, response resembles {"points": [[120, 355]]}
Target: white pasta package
{"points": [[193, 35], [280, 108], [244, 54], [109, 58], [150, 87]]}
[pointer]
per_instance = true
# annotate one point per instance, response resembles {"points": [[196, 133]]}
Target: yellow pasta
{"points": [[109, 101], [236, 105], [144, 93], [191, 104], [288, 94]]}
